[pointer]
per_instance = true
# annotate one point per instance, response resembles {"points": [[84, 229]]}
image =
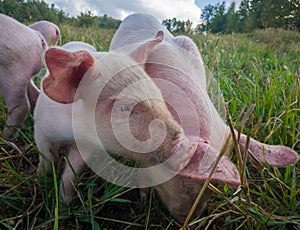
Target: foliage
{"points": [[35, 10], [175, 25], [260, 68], [214, 16], [89, 20], [251, 15], [31, 11], [99, 38]]}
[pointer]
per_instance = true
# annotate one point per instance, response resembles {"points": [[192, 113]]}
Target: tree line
{"points": [[249, 16], [27, 11], [175, 25]]}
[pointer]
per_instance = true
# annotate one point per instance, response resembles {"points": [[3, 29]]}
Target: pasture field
{"points": [[261, 69]]}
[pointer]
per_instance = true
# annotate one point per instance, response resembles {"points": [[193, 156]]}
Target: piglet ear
{"points": [[141, 53], [201, 165], [66, 69]]}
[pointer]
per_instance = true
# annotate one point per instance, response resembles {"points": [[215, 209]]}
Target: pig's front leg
{"points": [[45, 162], [46, 157], [17, 106], [74, 166], [32, 94]]}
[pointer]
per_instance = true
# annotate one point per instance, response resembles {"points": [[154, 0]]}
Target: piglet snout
{"points": [[182, 152]]}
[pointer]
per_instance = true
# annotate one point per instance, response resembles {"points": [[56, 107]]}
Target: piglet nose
{"points": [[181, 153]]}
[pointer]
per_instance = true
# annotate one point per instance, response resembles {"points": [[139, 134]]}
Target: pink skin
{"points": [[181, 191], [78, 45], [48, 30], [21, 51], [65, 72], [50, 133], [149, 43], [177, 60]]}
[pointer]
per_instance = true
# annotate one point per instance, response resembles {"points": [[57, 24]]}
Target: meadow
{"points": [[260, 69]]}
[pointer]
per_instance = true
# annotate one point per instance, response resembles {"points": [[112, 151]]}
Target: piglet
{"points": [[21, 50], [48, 30], [176, 66], [79, 45], [103, 102]]}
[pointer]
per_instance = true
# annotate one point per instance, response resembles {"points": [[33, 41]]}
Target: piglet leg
{"points": [[46, 158], [74, 166], [18, 107], [32, 93]]}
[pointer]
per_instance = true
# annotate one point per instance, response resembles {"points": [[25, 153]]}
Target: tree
{"points": [[247, 19], [252, 14], [218, 23], [108, 22], [208, 13], [188, 26], [174, 25], [12, 8], [86, 19], [214, 18], [276, 13], [34, 12], [231, 20], [249, 24], [296, 14]]}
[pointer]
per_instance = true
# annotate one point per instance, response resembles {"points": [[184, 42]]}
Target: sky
{"points": [[161, 9]]}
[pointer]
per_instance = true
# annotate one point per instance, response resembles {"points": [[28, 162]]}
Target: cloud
{"points": [[166, 9]]}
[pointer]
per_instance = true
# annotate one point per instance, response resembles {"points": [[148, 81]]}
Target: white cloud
{"points": [[180, 9]]}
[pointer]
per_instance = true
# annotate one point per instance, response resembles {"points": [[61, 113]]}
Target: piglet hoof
{"points": [[40, 170], [143, 194], [43, 168], [10, 134], [65, 198], [66, 192]]}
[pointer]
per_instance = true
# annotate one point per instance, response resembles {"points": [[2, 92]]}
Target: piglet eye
{"points": [[122, 108], [122, 105]]}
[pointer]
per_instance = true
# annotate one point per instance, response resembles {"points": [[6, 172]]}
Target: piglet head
{"points": [[115, 96], [48, 30], [132, 116], [66, 69]]}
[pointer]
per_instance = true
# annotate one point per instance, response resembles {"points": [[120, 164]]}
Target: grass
{"points": [[260, 69]]}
